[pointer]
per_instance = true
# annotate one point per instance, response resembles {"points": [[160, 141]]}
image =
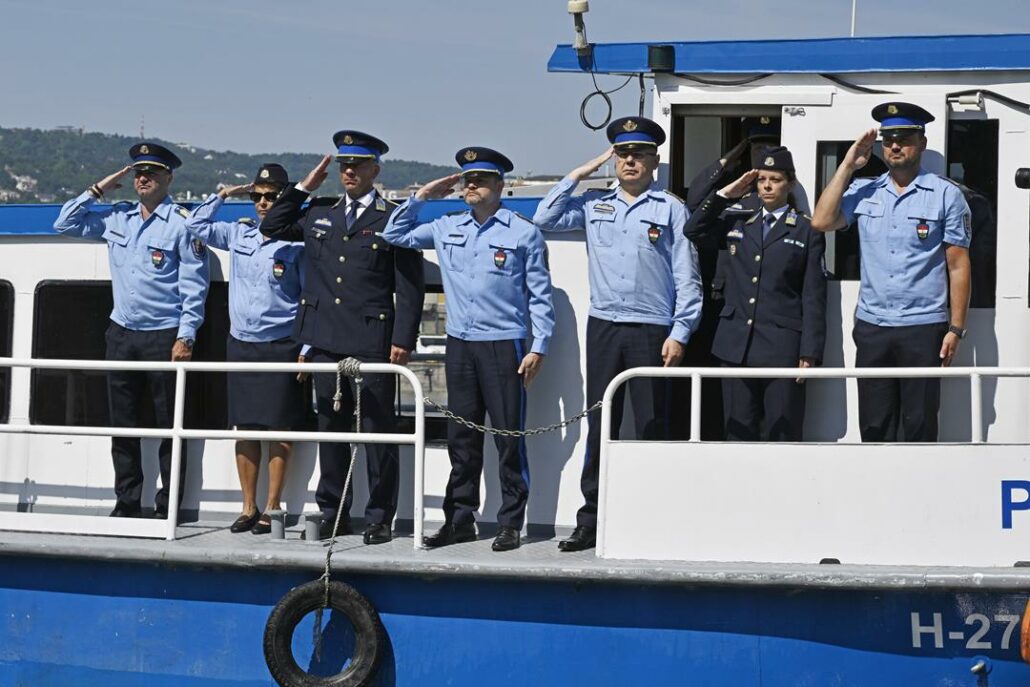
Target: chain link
{"points": [[511, 432]]}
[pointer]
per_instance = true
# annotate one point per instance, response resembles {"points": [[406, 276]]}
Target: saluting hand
{"points": [[440, 188], [672, 352], [229, 191], [949, 347], [861, 150], [583, 171], [110, 183], [741, 186], [318, 175], [530, 367], [735, 152]]}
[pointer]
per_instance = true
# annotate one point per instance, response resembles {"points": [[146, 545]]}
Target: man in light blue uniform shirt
{"points": [[159, 275], [498, 287], [645, 289], [914, 229], [265, 283]]}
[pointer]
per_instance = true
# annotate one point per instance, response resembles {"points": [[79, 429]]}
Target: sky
{"points": [[428, 76]]}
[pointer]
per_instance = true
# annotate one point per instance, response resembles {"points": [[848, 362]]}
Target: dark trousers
{"points": [[613, 347], [482, 377], [898, 409], [377, 415], [748, 404], [126, 393]]}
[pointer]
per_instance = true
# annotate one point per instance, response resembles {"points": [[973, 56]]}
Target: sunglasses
{"points": [[256, 197], [905, 140], [635, 154]]}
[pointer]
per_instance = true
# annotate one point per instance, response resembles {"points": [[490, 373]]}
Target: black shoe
{"points": [[507, 539], [263, 525], [325, 529], [245, 522], [451, 534], [378, 534], [582, 538], [121, 511], [160, 514]]}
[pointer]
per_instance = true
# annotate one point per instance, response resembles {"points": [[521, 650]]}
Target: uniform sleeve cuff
{"points": [[681, 333], [540, 346], [186, 333]]}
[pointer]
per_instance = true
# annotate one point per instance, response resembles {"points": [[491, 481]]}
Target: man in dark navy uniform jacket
{"points": [[347, 309]]}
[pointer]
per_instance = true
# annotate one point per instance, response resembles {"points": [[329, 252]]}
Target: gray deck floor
{"points": [[211, 544]]}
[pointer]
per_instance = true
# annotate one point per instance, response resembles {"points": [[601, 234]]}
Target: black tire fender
{"points": [[370, 637]]}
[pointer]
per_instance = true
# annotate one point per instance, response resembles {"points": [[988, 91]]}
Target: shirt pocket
{"points": [[314, 238], [452, 254], [243, 262], [869, 215], [924, 227], [503, 259], [117, 245], [601, 231], [375, 254], [163, 254], [283, 273]]}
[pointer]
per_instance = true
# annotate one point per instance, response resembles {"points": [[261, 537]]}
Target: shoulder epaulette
{"points": [[122, 205], [521, 216], [753, 217], [670, 193], [249, 221], [390, 202], [181, 211]]}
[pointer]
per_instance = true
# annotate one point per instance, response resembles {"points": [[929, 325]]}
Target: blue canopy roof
{"points": [[811, 56]]}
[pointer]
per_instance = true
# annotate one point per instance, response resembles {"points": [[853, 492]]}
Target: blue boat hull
{"points": [[85, 623]]}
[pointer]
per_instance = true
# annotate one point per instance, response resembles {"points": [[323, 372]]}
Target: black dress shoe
{"points": [[263, 525], [121, 511], [244, 522], [325, 529], [582, 538], [507, 539], [378, 534], [451, 534]]}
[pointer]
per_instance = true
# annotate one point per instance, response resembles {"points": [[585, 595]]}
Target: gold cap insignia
{"points": [[470, 155], [769, 161], [144, 150], [264, 173], [630, 125], [764, 120], [892, 109], [347, 140]]}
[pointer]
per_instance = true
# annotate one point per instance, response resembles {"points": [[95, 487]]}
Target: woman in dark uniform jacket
{"points": [[265, 283], [775, 298]]}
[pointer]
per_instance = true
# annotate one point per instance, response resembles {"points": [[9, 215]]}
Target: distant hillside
{"points": [[52, 166]]}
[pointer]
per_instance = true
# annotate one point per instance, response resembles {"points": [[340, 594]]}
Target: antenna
{"points": [[854, 13]]}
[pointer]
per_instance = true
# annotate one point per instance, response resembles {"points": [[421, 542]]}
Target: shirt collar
{"points": [[363, 202], [777, 213], [503, 215], [162, 210]]}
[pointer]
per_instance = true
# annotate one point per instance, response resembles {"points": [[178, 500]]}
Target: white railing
{"points": [[135, 527]]}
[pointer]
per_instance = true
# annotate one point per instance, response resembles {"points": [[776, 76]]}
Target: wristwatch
{"points": [[957, 331], [186, 341]]}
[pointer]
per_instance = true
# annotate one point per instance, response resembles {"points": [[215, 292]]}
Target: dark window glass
{"points": [[6, 327], [427, 362], [71, 318], [973, 163], [842, 254]]}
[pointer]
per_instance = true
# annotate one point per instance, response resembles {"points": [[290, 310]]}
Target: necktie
{"points": [[352, 213], [767, 224]]}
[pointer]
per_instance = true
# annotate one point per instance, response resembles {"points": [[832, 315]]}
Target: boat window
{"points": [[842, 254], [973, 163], [427, 362], [70, 320], [702, 137], [6, 328]]}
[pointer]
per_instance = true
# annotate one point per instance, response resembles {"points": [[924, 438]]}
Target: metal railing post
{"points": [[976, 408], [177, 427], [420, 463], [695, 407]]}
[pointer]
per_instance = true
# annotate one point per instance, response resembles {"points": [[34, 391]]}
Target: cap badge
{"points": [[264, 173], [630, 125], [769, 161], [144, 150], [470, 155], [347, 140], [892, 109], [764, 120]]}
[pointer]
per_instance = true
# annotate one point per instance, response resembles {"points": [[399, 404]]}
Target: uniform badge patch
{"points": [[922, 229], [792, 219], [967, 223], [183, 212], [653, 234], [278, 269], [604, 209], [157, 257], [198, 248], [500, 258], [734, 234], [733, 249]]}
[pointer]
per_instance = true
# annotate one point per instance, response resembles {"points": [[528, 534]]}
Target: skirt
{"points": [[272, 400]]}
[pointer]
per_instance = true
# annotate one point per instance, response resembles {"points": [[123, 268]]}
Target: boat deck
{"points": [[210, 544]]}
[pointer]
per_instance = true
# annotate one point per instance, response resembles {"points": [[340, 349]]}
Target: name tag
{"points": [[323, 222], [735, 234], [604, 209], [799, 244]]}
